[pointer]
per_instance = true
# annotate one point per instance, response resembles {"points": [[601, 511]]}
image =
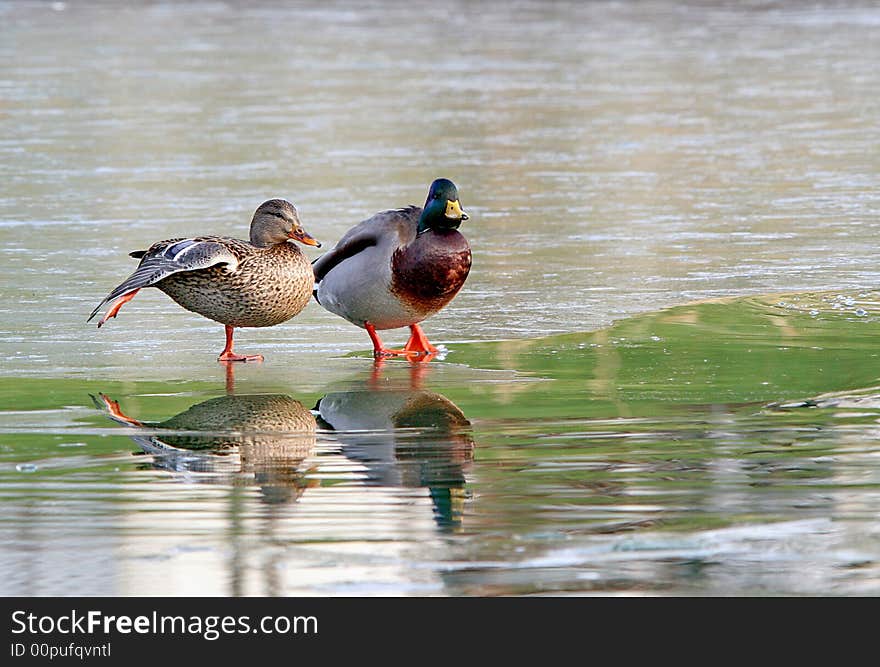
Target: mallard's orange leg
{"points": [[418, 342], [119, 303], [379, 350], [229, 355], [115, 411]]}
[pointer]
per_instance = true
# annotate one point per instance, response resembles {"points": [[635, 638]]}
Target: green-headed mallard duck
{"points": [[240, 284], [398, 268]]}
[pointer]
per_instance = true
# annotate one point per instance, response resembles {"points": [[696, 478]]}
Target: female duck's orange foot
{"points": [[120, 302], [418, 342], [229, 355]]}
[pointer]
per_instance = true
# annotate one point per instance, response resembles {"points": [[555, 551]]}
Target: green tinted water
{"points": [[717, 448]]}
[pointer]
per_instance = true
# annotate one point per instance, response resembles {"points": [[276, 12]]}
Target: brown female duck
{"points": [[238, 283], [398, 268]]}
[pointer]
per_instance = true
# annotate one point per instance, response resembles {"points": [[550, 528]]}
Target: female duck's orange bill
{"points": [[303, 236]]}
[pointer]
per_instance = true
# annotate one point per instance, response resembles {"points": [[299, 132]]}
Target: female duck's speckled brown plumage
{"points": [[238, 283], [398, 268], [230, 421], [269, 286], [267, 435]]}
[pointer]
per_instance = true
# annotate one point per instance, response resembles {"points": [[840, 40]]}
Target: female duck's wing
{"points": [[394, 228], [165, 258]]}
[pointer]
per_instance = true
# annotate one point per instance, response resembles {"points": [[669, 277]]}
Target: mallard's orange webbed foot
{"points": [[379, 350], [384, 353], [421, 359], [418, 342], [119, 303]]}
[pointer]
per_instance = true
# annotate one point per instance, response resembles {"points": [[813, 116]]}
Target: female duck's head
{"points": [[276, 221], [442, 209]]}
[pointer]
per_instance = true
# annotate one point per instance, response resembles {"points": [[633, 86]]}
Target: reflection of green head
{"points": [[448, 506], [442, 209]]}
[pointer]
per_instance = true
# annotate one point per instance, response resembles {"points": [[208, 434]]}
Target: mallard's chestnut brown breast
{"points": [[429, 272]]}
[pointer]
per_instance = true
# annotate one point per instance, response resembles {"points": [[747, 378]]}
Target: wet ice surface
{"points": [[630, 158], [718, 448]]}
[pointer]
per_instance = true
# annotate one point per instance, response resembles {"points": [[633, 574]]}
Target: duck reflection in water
{"points": [[268, 436], [404, 436]]}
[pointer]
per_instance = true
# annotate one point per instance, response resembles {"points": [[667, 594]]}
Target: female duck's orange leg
{"points": [[379, 350], [418, 342], [119, 303], [229, 355]]}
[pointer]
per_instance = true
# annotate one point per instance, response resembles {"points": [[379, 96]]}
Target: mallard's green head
{"points": [[442, 209], [276, 221]]}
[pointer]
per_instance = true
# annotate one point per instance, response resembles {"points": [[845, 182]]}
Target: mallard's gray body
{"points": [[384, 273]]}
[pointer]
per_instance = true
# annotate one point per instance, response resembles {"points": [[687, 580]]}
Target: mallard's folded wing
{"points": [[394, 227]]}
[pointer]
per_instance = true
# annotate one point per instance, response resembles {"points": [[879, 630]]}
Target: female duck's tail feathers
{"points": [[169, 257], [144, 276]]}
